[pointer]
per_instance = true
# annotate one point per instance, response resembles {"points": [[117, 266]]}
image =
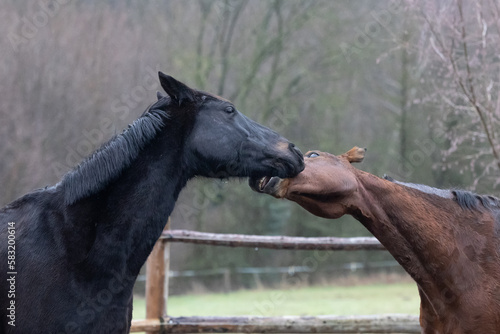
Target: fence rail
{"points": [[157, 291], [288, 324], [273, 242]]}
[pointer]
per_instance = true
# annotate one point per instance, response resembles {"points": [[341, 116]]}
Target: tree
{"points": [[459, 50]]}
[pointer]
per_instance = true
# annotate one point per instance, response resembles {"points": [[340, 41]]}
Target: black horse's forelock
{"points": [[106, 164]]}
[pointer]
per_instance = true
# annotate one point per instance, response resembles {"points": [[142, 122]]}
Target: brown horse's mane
{"points": [[469, 200], [464, 198]]}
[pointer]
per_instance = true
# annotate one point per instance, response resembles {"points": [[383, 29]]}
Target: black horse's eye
{"points": [[313, 155], [230, 110]]}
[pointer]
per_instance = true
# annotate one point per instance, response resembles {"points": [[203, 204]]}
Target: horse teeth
{"points": [[261, 183]]}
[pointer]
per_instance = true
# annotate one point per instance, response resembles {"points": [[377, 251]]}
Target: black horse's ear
{"points": [[160, 95], [176, 89]]}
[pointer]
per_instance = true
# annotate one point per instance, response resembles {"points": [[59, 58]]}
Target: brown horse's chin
{"points": [[267, 185]]}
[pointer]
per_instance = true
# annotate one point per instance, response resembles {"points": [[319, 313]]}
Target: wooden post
{"points": [[155, 281], [166, 270], [227, 280]]}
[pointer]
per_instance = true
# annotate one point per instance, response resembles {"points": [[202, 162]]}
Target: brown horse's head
{"points": [[444, 239], [326, 177]]}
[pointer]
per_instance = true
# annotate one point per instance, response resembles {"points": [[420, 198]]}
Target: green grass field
{"points": [[325, 300]]}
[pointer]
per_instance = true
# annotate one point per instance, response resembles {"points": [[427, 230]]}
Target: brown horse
{"points": [[447, 240]]}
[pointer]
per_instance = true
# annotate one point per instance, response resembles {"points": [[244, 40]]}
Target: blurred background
{"points": [[416, 82]]}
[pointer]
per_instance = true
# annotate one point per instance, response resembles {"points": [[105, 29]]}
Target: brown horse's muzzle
{"points": [[273, 186]]}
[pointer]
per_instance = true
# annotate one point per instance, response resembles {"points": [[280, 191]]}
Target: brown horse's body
{"points": [[448, 241]]}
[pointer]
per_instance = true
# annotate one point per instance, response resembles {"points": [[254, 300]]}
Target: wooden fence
{"points": [[157, 320]]}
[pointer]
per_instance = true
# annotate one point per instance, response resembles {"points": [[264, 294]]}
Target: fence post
{"points": [[156, 280], [227, 280], [166, 264]]}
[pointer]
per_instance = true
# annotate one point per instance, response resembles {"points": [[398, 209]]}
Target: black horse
{"points": [[70, 253]]}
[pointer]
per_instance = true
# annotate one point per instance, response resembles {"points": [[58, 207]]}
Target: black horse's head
{"points": [[222, 142]]}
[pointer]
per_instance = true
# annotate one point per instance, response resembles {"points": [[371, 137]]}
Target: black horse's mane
{"points": [[465, 199], [106, 163]]}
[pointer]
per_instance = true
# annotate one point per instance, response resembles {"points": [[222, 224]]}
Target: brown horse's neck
{"points": [[395, 218], [438, 243]]}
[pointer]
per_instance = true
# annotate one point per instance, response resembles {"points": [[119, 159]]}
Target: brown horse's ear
{"points": [[355, 154]]}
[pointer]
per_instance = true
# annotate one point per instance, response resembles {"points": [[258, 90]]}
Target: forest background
{"points": [[416, 82]]}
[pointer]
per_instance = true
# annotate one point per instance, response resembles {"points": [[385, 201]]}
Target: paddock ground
{"points": [[341, 298]]}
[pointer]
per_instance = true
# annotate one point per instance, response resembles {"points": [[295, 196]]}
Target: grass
{"points": [[373, 298]]}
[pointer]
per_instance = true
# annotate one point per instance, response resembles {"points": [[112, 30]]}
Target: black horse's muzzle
{"points": [[292, 163]]}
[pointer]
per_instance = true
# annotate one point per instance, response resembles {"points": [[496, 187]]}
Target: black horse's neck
{"points": [[135, 207], [117, 201]]}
